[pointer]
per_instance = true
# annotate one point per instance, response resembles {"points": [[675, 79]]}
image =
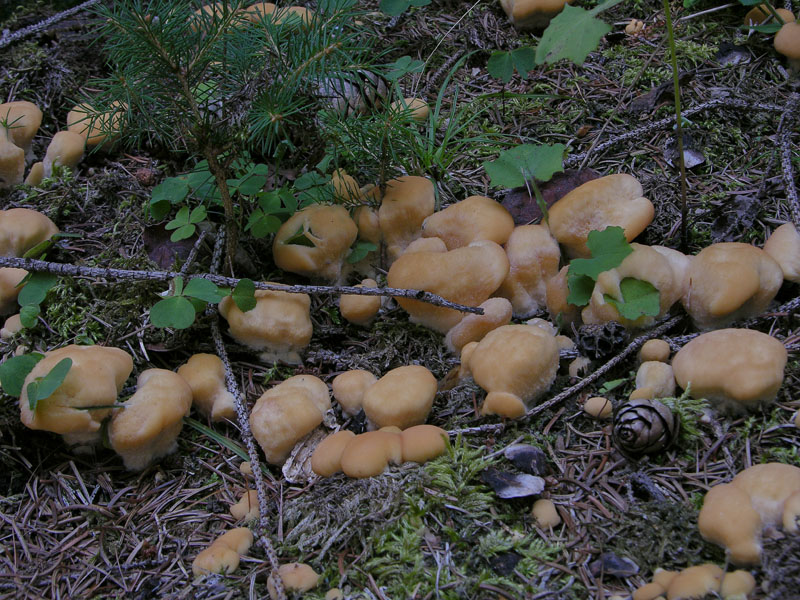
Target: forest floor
{"points": [[81, 526]]}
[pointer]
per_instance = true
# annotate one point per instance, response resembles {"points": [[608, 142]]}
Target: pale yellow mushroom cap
{"points": [[21, 229], [737, 585], [222, 556], [475, 218], [12, 326], [787, 42], [360, 310], [296, 577], [294, 15], [579, 366], [247, 506], [402, 397], [417, 108], [557, 291], [95, 127], [147, 427], [730, 281], [473, 328], [65, 149], [12, 163], [545, 513], [405, 204], [614, 200], [503, 404], [327, 232], [737, 369], [36, 174], [657, 377], [327, 457], [664, 577], [368, 454], [598, 407], [655, 350], [533, 257], [285, 414], [9, 290], [758, 14], [466, 275], [369, 228], [695, 582], [255, 12], [205, 374], [532, 14], [22, 119], [349, 387], [784, 246], [634, 27], [422, 443], [649, 591], [279, 325], [95, 379], [345, 185]]}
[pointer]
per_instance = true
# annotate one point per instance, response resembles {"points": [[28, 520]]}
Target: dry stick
{"points": [[244, 425], [558, 399], [784, 132], [127, 274], [42, 25]]}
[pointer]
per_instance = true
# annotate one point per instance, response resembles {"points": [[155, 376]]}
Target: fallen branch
{"points": [[9, 38], [42, 266]]}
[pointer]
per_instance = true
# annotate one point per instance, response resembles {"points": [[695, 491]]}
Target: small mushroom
{"points": [[255, 13], [545, 513], [95, 379], [360, 310], [405, 204], [96, 127], [787, 43], [532, 14], [247, 507], [579, 366], [736, 369], [402, 397], [730, 281], [649, 591], [556, 293], [634, 27], [466, 275], [695, 582], [758, 14], [21, 229], [598, 407], [19, 123], [222, 556], [65, 149], [327, 456], [475, 218], [12, 163], [293, 16], [11, 327], [345, 186], [368, 454], [658, 350], [35, 175], [417, 108], [205, 374], [349, 387], [285, 414], [279, 325], [596, 205], [654, 379], [147, 426], [784, 246], [422, 443], [473, 328], [296, 577], [737, 585], [315, 241], [10, 278], [734, 514]]}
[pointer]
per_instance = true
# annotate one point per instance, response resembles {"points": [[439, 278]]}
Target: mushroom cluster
{"points": [[697, 582], [223, 555]]}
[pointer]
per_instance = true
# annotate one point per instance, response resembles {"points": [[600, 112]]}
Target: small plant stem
{"points": [[774, 13], [678, 129], [231, 224]]}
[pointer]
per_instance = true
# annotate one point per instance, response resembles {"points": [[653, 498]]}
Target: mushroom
{"points": [[222, 556], [360, 310], [654, 350], [787, 42], [205, 374], [247, 507], [327, 456], [654, 379], [314, 241], [422, 443], [95, 378], [430, 244], [634, 27], [758, 14], [296, 577], [532, 14], [10, 278], [11, 327], [515, 364], [736, 369], [285, 414], [466, 275], [19, 122], [737, 585], [598, 407], [402, 397], [579, 366], [279, 325], [368, 454], [472, 328], [293, 15], [649, 591], [405, 204], [557, 291], [22, 229], [256, 12], [35, 175], [65, 149], [734, 514], [533, 257], [349, 387], [417, 108], [596, 205], [730, 281], [96, 127], [784, 246], [12, 163], [147, 426], [345, 186], [475, 218], [545, 513], [369, 227], [695, 582]]}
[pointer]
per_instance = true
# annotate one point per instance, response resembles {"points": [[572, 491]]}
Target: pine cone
{"points": [[644, 427], [599, 341]]}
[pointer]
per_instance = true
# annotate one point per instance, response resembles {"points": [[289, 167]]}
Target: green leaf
{"points": [[360, 250], [198, 214], [29, 314], [182, 233], [181, 219], [580, 289], [573, 34], [500, 66], [42, 388], [172, 190], [403, 66], [261, 225], [611, 385], [178, 286], [36, 288], [524, 60], [160, 209], [252, 184], [39, 249], [768, 28], [513, 167], [639, 298], [14, 370], [608, 247], [204, 290], [244, 295], [175, 311], [299, 239]]}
